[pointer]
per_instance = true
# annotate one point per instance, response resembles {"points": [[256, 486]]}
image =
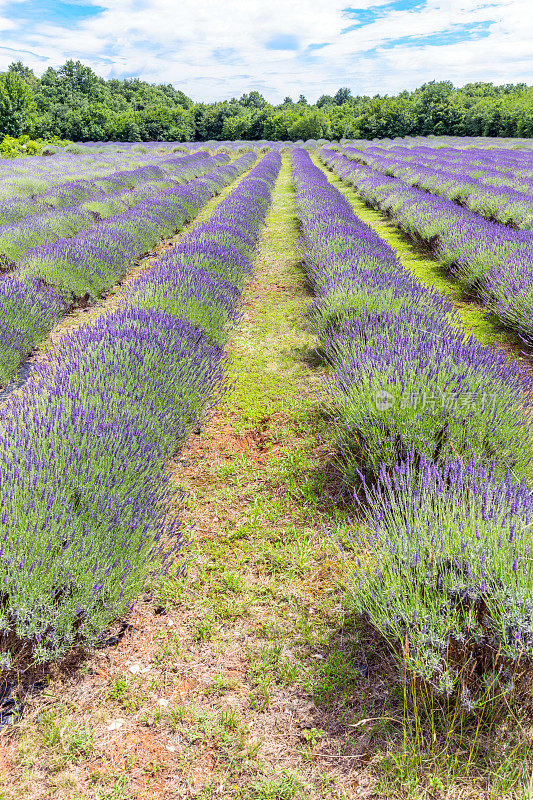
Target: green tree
{"points": [[17, 104], [78, 79], [235, 128], [27, 74], [277, 126], [164, 123], [342, 96], [253, 100], [325, 100], [313, 125]]}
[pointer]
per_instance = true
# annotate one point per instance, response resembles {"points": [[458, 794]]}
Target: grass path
{"points": [[423, 266]]}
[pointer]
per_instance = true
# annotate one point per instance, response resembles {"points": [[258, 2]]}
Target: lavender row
{"points": [[78, 204], [85, 447], [502, 204], [492, 167], [91, 262], [74, 192], [202, 277], [491, 261], [51, 278], [33, 176], [415, 401]]}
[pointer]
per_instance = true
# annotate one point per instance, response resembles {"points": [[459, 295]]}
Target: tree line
{"points": [[74, 103]]}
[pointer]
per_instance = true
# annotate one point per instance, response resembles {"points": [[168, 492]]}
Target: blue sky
{"points": [[219, 50]]}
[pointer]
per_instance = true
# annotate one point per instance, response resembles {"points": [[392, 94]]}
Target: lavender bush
{"points": [[84, 453], [443, 571], [30, 309], [408, 381]]}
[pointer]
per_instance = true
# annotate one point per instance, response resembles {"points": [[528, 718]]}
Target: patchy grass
{"points": [[242, 676]]}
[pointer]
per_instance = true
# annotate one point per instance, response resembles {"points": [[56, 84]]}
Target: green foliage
{"points": [[13, 147], [73, 103], [17, 104], [312, 125]]}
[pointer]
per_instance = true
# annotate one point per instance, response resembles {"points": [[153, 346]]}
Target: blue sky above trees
{"points": [[219, 50]]}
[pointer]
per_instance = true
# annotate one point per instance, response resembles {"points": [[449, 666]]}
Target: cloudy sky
{"points": [[215, 50]]}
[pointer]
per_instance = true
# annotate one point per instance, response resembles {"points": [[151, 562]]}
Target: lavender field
{"points": [[86, 440], [434, 428], [365, 450]]}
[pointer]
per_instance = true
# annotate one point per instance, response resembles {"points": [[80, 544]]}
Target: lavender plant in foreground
{"points": [[408, 381], [84, 449], [83, 476], [443, 571]]}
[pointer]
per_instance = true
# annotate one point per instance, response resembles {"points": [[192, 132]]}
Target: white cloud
{"points": [[215, 50]]}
